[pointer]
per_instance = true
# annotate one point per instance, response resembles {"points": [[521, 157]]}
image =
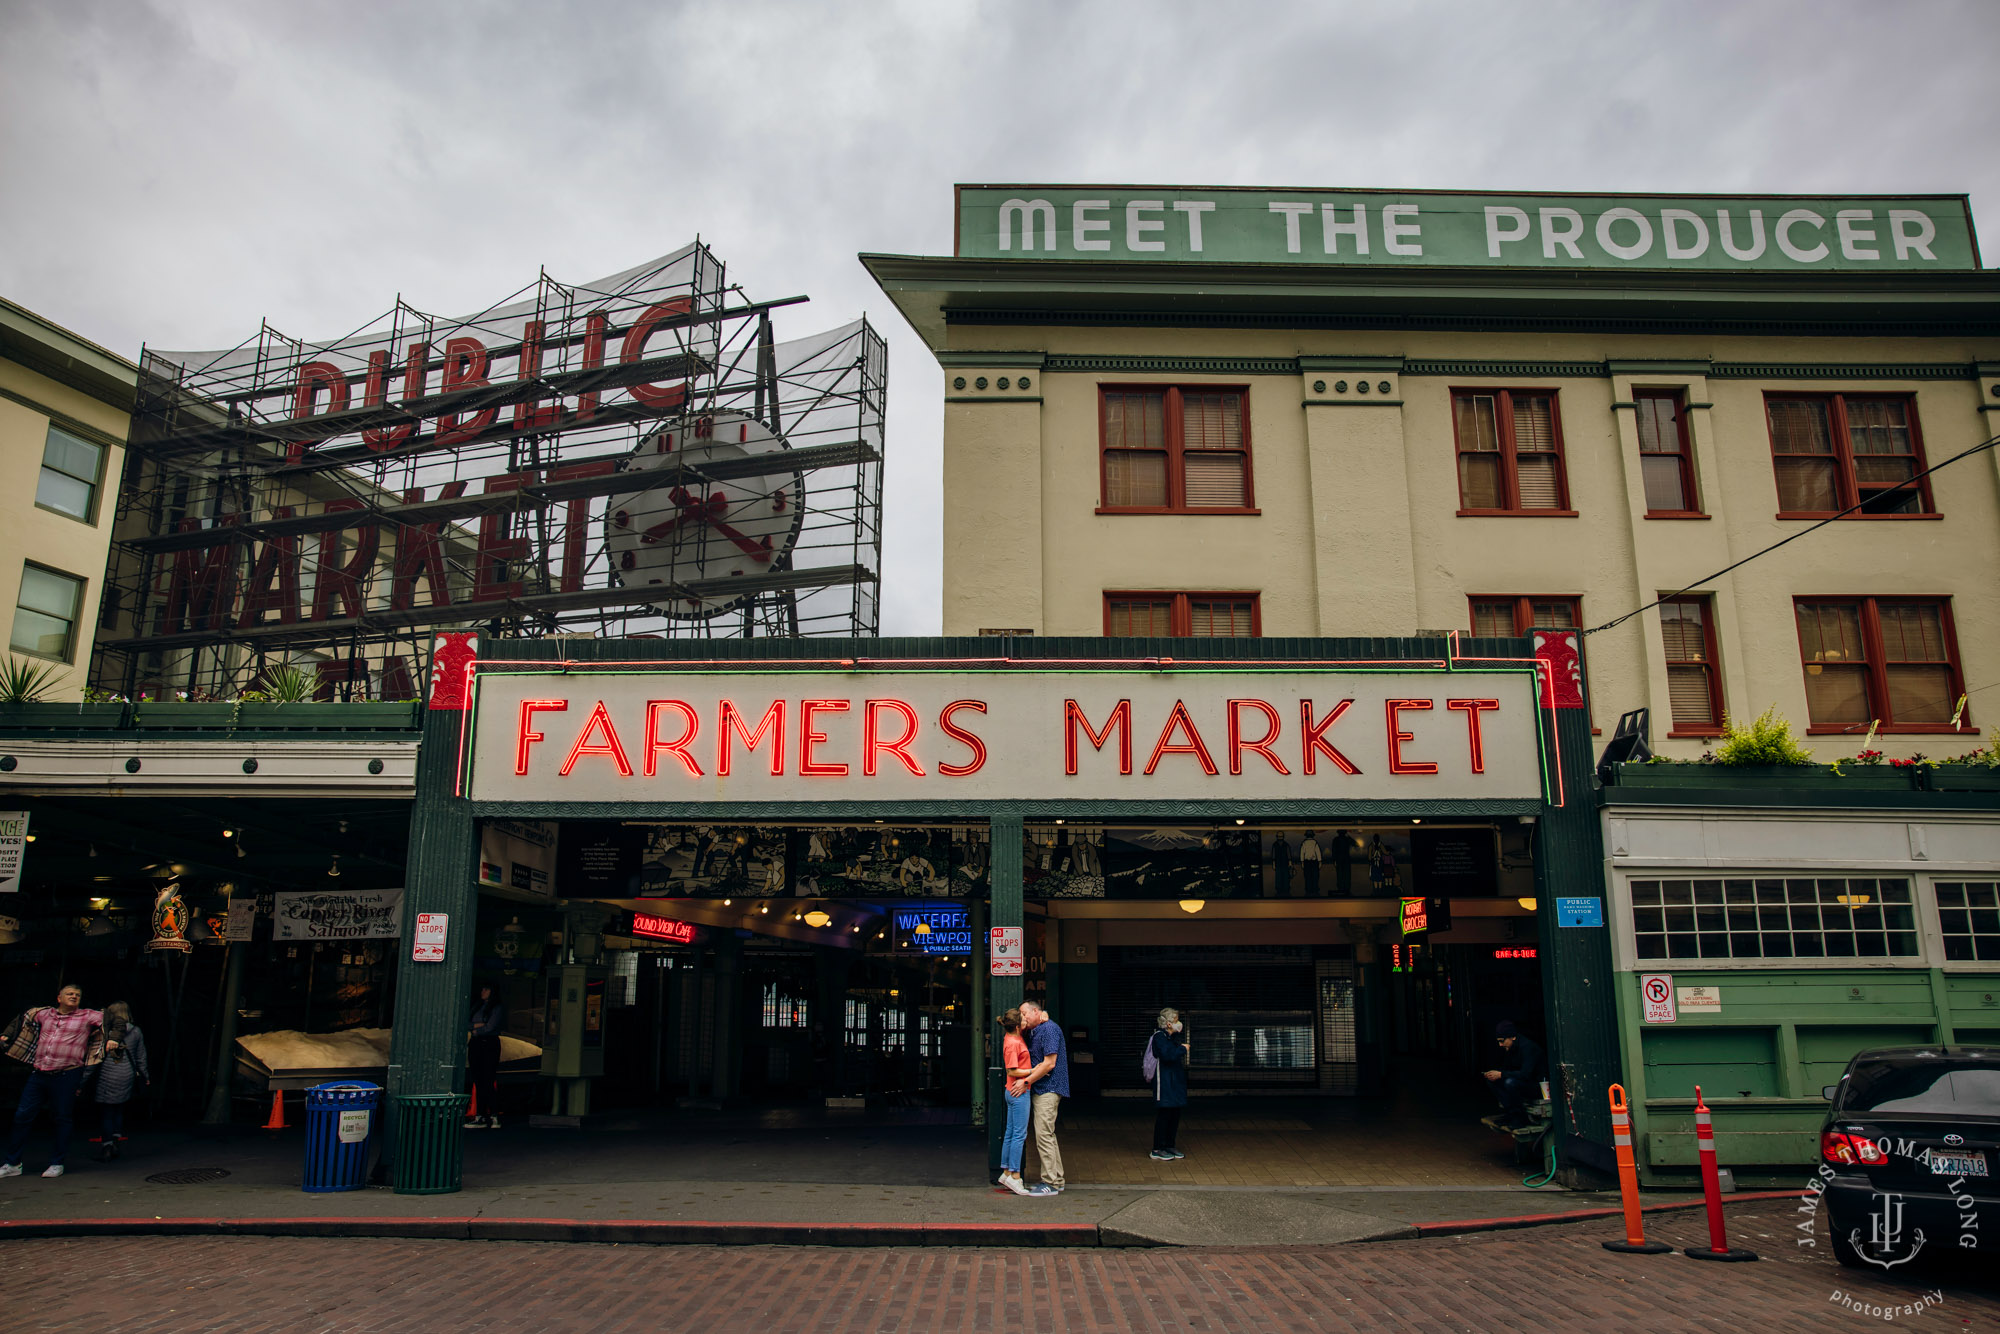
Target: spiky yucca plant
{"points": [[23, 681]]}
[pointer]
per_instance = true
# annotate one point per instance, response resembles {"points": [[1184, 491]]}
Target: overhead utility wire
{"points": [[1982, 446]]}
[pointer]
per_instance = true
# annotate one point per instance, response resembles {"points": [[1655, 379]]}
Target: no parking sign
{"points": [[1656, 991]]}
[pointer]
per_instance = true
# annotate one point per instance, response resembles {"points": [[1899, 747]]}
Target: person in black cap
{"points": [[1522, 1073]]}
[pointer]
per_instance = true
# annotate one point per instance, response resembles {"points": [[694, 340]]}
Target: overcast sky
{"points": [[172, 173]]}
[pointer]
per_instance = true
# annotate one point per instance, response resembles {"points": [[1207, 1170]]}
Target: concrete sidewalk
{"points": [[710, 1182]]}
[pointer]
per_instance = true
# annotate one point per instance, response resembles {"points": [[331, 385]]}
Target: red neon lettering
{"points": [[1121, 718], [530, 414], [594, 328], [808, 766], [375, 394], [525, 736], [420, 553], [339, 585], [963, 738], [730, 724], [490, 559], [1472, 708], [1397, 764], [1316, 743], [690, 724], [1192, 746], [274, 579], [202, 586], [634, 350], [314, 376], [662, 928], [872, 743], [1237, 745], [599, 717], [464, 368]]}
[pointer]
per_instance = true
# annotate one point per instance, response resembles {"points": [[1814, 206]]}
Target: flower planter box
{"points": [[177, 716], [1964, 778], [63, 717], [1814, 777], [320, 716]]}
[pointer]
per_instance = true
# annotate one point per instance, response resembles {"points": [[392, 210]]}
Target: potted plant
{"points": [[283, 702], [1975, 771], [1763, 753]]}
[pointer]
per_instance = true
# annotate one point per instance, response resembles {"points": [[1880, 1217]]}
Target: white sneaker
{"points": [[10, 1169], [1014, 1184], [55, 1170]]}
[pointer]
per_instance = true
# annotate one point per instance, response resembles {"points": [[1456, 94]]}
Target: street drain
{"points": [[188, 1176]]}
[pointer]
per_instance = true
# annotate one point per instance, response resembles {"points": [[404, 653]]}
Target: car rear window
{"points": [[1935, 1086]]}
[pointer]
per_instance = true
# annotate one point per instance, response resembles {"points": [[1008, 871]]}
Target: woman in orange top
{"points": [[1014, 1058]]}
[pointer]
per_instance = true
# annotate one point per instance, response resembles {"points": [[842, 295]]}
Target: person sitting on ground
{"points": [[122, 1074], [57, 1043], [1521, 1076], [1168, 1048]]}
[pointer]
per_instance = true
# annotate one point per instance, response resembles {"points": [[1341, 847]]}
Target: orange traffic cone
{"points": [[277, 1121], [473, 1110]]}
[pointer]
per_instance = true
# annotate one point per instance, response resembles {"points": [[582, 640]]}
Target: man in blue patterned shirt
{"points": [[1049, 1080]]}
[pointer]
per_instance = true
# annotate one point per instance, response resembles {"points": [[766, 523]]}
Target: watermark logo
{"points": [[1887, 1240], [1861, 1306]]}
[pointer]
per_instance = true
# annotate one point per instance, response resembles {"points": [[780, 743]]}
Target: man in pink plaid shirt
{"points": [[59, 1043]]}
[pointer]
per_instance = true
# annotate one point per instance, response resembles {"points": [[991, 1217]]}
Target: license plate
{"points": [[1958, 1164]]}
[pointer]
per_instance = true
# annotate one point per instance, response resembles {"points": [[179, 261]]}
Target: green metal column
{"points": [[427, 1050], [1004, 877]]}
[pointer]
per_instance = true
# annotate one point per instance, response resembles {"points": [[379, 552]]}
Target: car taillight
{"points": [[1846, 1150]]}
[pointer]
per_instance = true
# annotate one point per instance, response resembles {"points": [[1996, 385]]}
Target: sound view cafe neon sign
{"points": [[662, 928]]}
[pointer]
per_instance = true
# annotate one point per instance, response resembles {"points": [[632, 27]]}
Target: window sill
{"points": [[1695, 734], [73, 518], [1677, 514], [1517, 514], [1828, 514], [1237, 512], [1859, 730]]}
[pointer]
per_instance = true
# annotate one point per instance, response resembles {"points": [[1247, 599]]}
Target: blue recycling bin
{"points": [[340, 1134]]}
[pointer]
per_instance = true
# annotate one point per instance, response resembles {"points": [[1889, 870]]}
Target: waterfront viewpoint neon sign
{"points": [[1414, 228], [998, 735]]}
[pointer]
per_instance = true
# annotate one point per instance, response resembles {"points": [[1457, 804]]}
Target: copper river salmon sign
{"points": [[1004, 735], [1233, 225]]}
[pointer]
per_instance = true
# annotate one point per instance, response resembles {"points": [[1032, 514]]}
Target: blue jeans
{"points": [[1016, 1136], [56, 1090]]}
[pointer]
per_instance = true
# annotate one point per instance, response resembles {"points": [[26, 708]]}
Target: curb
{"points": [[676, 1233], [1463, 1226]]}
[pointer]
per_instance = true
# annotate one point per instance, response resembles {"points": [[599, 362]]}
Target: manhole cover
{"points": [[188, 1176]]}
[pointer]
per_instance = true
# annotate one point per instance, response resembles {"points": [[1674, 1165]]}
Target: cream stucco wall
{"points": [[29, 401], [1359, 534]]}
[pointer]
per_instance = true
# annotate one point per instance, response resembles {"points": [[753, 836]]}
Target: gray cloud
{"points": [[175, 172]]}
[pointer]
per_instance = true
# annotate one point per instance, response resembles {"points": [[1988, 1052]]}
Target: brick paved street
{"points": [[1555, 1278]]}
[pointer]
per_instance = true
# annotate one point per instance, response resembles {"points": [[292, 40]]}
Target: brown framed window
{"points": [[1494, 616], [1509, 452], [1694, 685], [1175, 450], [1832, 452], [1893, 661], [1666, 453], [1159, 615]]}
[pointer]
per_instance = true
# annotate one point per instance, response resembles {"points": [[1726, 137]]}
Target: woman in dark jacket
{"points": [[121, 1075], [1170, 1054], [482, 1058]]}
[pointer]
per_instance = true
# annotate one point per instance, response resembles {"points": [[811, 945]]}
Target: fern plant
{"points": [[1766, 739], [23, 681]]}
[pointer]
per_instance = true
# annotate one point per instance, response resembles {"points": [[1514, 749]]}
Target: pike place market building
{"points": [[1198, 418]]}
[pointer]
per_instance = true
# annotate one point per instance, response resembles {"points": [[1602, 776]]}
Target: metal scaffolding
{"points": [[638, 456]]}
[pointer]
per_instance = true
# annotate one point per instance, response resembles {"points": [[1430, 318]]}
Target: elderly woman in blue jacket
{"points": [[1169, 1052]]}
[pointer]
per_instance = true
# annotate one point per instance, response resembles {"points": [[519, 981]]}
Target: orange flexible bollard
{"points": [[472, 1108], [277, 1121], [1635, 1242], [1711, 1187]]}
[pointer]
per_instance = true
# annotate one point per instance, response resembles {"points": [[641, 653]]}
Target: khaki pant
{"points": [[1045, 1137]]}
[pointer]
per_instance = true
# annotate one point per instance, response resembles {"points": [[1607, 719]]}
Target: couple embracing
{"points": [[1037, 1065]]}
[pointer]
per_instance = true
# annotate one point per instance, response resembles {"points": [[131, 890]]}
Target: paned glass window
{"points": [[1175, 449], [1832, 452], [45, 613], [1181, 615], [1774, 918], [1694, 687], [1887, 660], [1666, 453], [1509, 452], [1969, 919], [70, 469]]}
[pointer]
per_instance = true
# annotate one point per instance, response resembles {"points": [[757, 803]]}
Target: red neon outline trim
{"points": [[679, 748], [1397, 764], [1472, 708], [523, 738], [808, 766], [729, 723], [1316, 743], [1195, 746], [1121, 718], [963, 738], [872, 743], [611, 747], [1237, 745]]}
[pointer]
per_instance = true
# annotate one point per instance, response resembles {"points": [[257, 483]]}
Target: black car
{"points": [[1909, 1152]]}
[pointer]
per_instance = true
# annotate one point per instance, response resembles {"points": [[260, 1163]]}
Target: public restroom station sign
{"points": [[1719, 233], [1148, 735]]}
